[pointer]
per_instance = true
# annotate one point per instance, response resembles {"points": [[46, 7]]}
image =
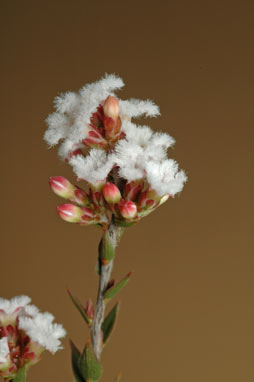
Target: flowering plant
{"points": [[126, 175], [24, 334]]}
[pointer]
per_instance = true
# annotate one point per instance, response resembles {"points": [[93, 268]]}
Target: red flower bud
{"points": [[70, 213], [128, 209], [61, 186], [111, 193], [132, 189], [111, 107], [80, 197]]}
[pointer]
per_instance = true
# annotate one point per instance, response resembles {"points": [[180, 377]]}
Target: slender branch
{"points": [[114, 234]]}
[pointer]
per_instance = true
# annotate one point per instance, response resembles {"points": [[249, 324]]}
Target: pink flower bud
{"points": [[111, 107], [132, 189], [88, 216], [94, 138], [80, 197], [128, 209], [148, 199], [163, 199], [90, 309], [70, 213], [61, 186], [111, 193]]}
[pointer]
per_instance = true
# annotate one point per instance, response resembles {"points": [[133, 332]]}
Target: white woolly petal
{"points": [[31, 310], [135, 108], [67, 102], [162, 139], [154, 153], [164, 177], [66, 147], [138, 134], [80, 129], [110, 82], [127, 152], [131, 173], [9, 306], [129, 158], [58, 125], [94, 168], [4, 350], [42, 330]]}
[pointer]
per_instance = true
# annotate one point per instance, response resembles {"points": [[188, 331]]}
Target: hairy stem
{"points": [[113, 235]]}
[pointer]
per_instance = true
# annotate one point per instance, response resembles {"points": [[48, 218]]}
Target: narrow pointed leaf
{"points": [[110, 293], [89, 365], [80, 308], [75, 358], [108, 323], [20, 376]]}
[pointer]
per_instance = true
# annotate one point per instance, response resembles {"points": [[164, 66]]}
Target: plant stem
{"points": [[113, 234]]}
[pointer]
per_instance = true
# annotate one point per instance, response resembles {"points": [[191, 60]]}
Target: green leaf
{"points": [[89, 365], [108, 323], [20, 376], [80, 308], [110, 293], [75, 358], [106, 250]]}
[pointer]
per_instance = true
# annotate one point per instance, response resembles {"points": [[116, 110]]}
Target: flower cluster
{"points": [[125, 166], [24, 334]]}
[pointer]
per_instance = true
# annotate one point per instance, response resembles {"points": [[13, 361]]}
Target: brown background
{"points": [[188, 313]]}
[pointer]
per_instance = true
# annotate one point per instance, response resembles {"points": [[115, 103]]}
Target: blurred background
{"points": [[188, 312]]}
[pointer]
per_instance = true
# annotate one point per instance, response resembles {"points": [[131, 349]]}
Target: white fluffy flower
{"points": [[38, 326], [14, 304], [139, 153], [70, 122], [142, 154], [164, 177], [94, 168], [4, 351], [136, 108], [42, 330]]}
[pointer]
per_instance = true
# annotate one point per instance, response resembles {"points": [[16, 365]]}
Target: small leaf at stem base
{"points": [[80, 308], [75, 362], [110, 293], [108, 323], [89, 365]]}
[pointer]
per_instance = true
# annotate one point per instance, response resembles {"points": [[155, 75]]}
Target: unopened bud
{"points": [[88, 216], [70, 213], [90, 309], [128, 209], [164, 199], [132, 189], [61, 186], [111, 107], [80, 197], [111, 193]]}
